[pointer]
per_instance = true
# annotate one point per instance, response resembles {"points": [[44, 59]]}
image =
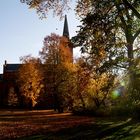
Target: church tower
{"points": [[68, 45], [66, 29]]}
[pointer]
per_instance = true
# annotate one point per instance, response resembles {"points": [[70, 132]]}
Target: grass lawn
{"points": [[49, 125]]}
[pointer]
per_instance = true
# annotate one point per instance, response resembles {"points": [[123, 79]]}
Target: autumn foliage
{"points": [[30, 80]]}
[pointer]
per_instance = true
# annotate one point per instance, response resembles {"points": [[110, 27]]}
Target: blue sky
{"points": [[22, 32]]}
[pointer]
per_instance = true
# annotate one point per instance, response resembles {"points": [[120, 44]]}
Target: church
{"points": [[8, 77]]}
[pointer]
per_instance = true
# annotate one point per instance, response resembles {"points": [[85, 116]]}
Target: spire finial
{"points": [[66, 29]]}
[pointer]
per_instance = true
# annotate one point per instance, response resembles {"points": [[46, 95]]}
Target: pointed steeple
{"points": [[66, 29]]}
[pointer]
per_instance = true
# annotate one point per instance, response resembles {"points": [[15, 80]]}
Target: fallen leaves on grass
{"points": [[15, 124]]}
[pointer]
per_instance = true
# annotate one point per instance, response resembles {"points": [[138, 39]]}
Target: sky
{"points": [[22, 32]]}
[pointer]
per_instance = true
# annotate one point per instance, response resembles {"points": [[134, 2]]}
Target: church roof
{"points": [[66, 29], [12, 67]]}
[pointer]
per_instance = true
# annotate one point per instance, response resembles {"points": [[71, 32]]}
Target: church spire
{"points": [[66, 29]]}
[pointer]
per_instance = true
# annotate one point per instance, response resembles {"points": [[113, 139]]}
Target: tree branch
{"points": [[136, 50], [136, 34], [121, 15], [132, 8]]}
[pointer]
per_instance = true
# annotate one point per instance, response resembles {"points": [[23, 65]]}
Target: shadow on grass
{"points": [[101, 130], [49, 125]]}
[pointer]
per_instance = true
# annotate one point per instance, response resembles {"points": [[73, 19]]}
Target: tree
{"points": [[50, 51], [82, 78], [55, 56], [12, 98], [55, 50], [30, 80], [44, 6], [99, 88], [110, 34], [93, 89]]}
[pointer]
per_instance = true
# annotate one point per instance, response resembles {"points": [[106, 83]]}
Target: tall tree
{"points": [[55, 50], [110, 33], [30, 80], [82, 78], [55, 56], [92, 88]]}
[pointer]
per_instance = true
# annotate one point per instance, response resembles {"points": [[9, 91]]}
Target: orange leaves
{"points": [[30, 79], [56, 50], [65, 50]]}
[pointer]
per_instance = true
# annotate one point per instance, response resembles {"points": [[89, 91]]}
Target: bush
{"points": [[126, 109], [100, 112], [120, 111]]}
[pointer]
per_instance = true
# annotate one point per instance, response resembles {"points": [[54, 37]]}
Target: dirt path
{"points": [[15, 124]]}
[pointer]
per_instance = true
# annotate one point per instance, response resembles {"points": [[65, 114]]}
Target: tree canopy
{"points": [[43, 7], [30, 80], [110, 32]]}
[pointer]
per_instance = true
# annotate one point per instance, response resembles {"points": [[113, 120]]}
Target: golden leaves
{"points": [[30, 79]]}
